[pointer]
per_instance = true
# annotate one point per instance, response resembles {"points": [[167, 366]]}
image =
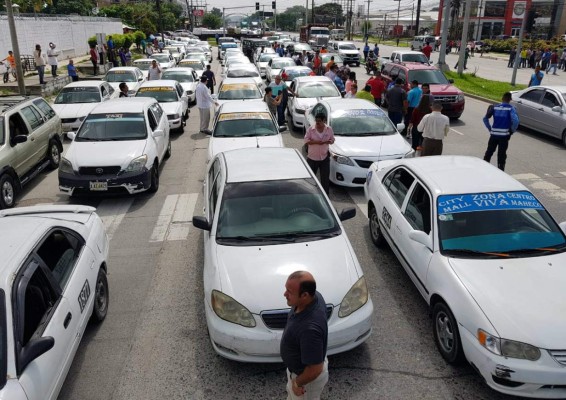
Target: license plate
{"points": [[98, 186]]}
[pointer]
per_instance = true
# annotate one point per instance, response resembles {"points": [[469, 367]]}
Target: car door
{"points": [[52, 120], [552, 122], [182, 97], [416, 214], [291, 102], [158, 120], [528, 107], [39, 133]]}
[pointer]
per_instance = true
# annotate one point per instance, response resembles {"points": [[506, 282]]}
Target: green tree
{"points": [[216, 11], [81, 7], [211, 21]]}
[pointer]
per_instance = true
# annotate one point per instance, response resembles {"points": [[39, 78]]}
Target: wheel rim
{"points": [[101, 297], [55, 154], [445, 332], [7, 193], [374, 225]]}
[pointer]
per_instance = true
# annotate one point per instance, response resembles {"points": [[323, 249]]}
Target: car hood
{"points": [[524, 298], [219, 145], [172, 107], [275, 71], [380, 147], [74, 110], [349, 52], [306, 102], [93, 154], [255, 275], [262, 64], [189, 86], [442, 89]]}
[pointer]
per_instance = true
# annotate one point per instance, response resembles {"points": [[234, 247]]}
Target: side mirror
{"points": [[347, 213], [563, 226], [282, 128], [421, 237], [557, 109], [158, 133], [34, 349], [19, 139], [400, 127], [451, 80], [71, 135], [201, 223]]}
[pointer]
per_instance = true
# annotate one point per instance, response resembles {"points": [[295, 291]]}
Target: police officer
{"points": [[505, 122]]}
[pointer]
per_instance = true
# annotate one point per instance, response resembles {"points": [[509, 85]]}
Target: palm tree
{"points": [[454, 12]]}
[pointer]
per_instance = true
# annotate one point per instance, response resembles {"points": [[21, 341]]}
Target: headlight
{"points": [[340, 159], [508, 348], [66, 166], [356, 297], [411, 153], [230, 310], [460, 97], [173, 116], [137, 164], [189, 92], [300, 110]]}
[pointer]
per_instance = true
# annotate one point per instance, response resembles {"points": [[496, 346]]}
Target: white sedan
{"points": [[76, 100], [266, 217], [275, 65], [133, 76], [236, 89], [165, 60], [172, 98], [364, 134], [262, 60], [488, 259], [52, 283], [187, 78]]}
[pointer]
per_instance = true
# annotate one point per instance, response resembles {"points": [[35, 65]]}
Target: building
{"points": [[491, 18]]}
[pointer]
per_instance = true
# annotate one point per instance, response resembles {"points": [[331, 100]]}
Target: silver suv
{"points": [[30, 141]]}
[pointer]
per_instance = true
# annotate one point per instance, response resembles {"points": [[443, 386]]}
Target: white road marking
{"points": [[563, 173], [458, 132], [525, 177], [164, 219], [112, 212], [359, 200], [547, 188], [175, 218]]}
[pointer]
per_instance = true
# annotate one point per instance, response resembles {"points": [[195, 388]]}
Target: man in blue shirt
{"points": [[505, 122], [413, 99]]}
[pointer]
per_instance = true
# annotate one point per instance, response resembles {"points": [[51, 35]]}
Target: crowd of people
{"points": [[547, 59]]}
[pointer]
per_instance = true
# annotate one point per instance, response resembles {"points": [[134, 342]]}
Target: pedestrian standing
{"points": [[122, 56], [396, 102], [216, 36], [536, 78], [413, 99], [154, 71], [124, 89], [318, 138], [427, 50], [279, 87], [366, 51], [417, 116], [545, 59], [305, 338], [553, 63], [72, 70], [204, 102], [317, 63], [94, 60], [523, 58], [353, 91], [377, 87], [425, 87], [505, 122], [512, 55], [350, 81], [39, 63], [128, 55], [365, 94], [210, 78], [11, 67], [434, 127], [272, 102], [376, 50], [100, 49], [329, 64], [52, 59], [563, 60]]}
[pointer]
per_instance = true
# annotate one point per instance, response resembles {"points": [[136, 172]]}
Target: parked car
{"points": [[187, 78], [237, 89], [131, 75], [308, 91], [172, 99], [274, 67]]}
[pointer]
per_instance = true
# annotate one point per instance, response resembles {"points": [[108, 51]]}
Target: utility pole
{"points": [[519, 47], [418, 20], [412, 15], [384, 27], [312, 11], [307, 13], [160, 22], [367, 19], [445, 18], [397, 24], [478, 33], [464, 39], [15, 48]]}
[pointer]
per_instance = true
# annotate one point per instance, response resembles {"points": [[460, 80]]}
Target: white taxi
{"points": [[76, 100], [172, 98], [165, 60], [120, 147], [237, 89], [275, 65], [240, 124], [52, 283], [197, 65], [364, 134], [144, 64], [187, 78], [131, 75], [266, 217], [245, 71], [488, 259], [308, 90]]}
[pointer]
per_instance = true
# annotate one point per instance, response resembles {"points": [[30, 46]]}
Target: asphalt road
{"points": [[154, 342]]}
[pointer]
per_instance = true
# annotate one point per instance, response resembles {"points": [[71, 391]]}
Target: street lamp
{"points": [[397, 24]]}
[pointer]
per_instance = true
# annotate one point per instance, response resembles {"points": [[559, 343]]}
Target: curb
{"points": [[480, 98]]}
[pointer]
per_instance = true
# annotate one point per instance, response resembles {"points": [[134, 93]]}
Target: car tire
{"points": [[54, 154], [101, 298], [168, 151], [154, 179], [564, 138], [7, 192], [374, 228], [446, 335]]}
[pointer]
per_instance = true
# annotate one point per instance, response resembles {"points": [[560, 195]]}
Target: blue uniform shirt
{"points": [[505, 119]]}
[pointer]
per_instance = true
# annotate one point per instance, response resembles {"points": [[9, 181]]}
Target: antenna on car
{"points": [[257, 141]]}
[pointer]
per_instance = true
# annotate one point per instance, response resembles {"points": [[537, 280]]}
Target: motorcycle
{"points": [[371, 65]]}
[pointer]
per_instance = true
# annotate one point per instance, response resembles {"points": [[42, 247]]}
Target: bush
{"points": [[138, 37], [121, 40], [504, 46]]}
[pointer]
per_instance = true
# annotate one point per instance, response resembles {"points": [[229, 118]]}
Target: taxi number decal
{"points": [[236, 86], [386, 217], [232, 116], [156, 89], [84, 295], [449, 204], [114, 115], [120, 72]]}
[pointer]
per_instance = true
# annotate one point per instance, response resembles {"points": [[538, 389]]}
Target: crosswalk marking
{"points": [[563, 173], [175, 218], [112, 212], [525, 177], [547, 188]]}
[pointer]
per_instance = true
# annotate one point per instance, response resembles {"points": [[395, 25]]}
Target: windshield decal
{"points": [[237, 86], [358, 113], [157, 89], [243, 115], [487, 201]]}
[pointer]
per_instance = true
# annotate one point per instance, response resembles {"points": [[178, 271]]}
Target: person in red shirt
{"points": [[94, 59], [317, 63], [377, 87], [427, 50]]}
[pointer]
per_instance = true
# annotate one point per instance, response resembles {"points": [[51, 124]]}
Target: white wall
{"points": [[69, 33]]}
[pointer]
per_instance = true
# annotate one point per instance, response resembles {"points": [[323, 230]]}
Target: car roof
{"points": [[179, 69], [243, 106], [130, 69], [412, 66], [351, 104], [159, 83], [558, 88], [461, 174], [123, 105], [295, 67], [250, 81], [409, 52], [143, 59], [85, 83], [264, 164], [304, 79]]}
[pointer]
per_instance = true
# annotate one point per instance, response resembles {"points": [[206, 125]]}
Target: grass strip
{"points": [[493, 90]]}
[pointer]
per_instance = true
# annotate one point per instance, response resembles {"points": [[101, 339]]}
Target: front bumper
{"points": [[261, 344], [71, 126], [133, 182], [453, 110], [544, 378], [351, 59], [298, 118], [354, 176]]}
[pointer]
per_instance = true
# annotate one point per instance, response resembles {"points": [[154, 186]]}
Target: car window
{"points": [[319, 109], [157, 111], [418, 211], [45, 108], [152, 121], [550, 100], [401, 181], [103, 91], [213, 188], [394, 73], [533, 95], [33, 117], [110, 89], [17, 126], [60, 252], [179, 90]]}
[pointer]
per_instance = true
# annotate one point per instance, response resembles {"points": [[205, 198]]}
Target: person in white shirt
{"points": [[434, 127], [154, 72], [204, 102], [352, 93], [52, 59]]}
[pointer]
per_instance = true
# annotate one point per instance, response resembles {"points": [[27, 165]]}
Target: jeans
{"points": [[396, 117], [324, 166], [41, 72], [501, 143], [54, 70], [551, 67]]}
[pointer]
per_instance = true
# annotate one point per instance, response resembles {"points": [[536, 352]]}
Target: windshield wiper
{"points": [[538, 250], [256, 238], [475, 252]]}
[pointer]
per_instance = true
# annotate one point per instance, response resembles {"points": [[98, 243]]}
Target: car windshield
{"points": [[499, 224], [301, 46], [163, 94], [182, 77], [431, 76], [363, 122], [415, 58], [290, 74], [318, 89], [348, 46], [282, 63], [326, 57], [265, 57], [238, 91], [242, 73], [161, 58], [245, 124], [195, 64], [272, 211], [107, 127], [73, 95], [120, 76], [143, 65]]}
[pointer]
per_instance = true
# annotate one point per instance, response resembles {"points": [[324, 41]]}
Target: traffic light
{"points": [[257, 6], [273, 5]]}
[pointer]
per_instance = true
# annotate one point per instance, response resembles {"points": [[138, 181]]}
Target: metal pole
{"points": [[15, 48], [307, 13], [160, 22], [312, 11], [367, 20], [418, 20], [397, 24], [223, 22], [445, 18], [412, 15], [478, 33], [519, 48], [464, 39]]}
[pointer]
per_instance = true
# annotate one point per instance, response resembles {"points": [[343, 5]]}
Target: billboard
{"points": [[198, 13]]}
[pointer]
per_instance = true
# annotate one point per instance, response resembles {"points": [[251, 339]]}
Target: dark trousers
{"points": [[75, 78], [501, 143], [432, 147], [54, 71], [211, 87], [281, 113], [377, 101], [324, 167], [396, 117], [416, 138], [408, 119], [94, 67], [101, 58], [40, 71]]}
